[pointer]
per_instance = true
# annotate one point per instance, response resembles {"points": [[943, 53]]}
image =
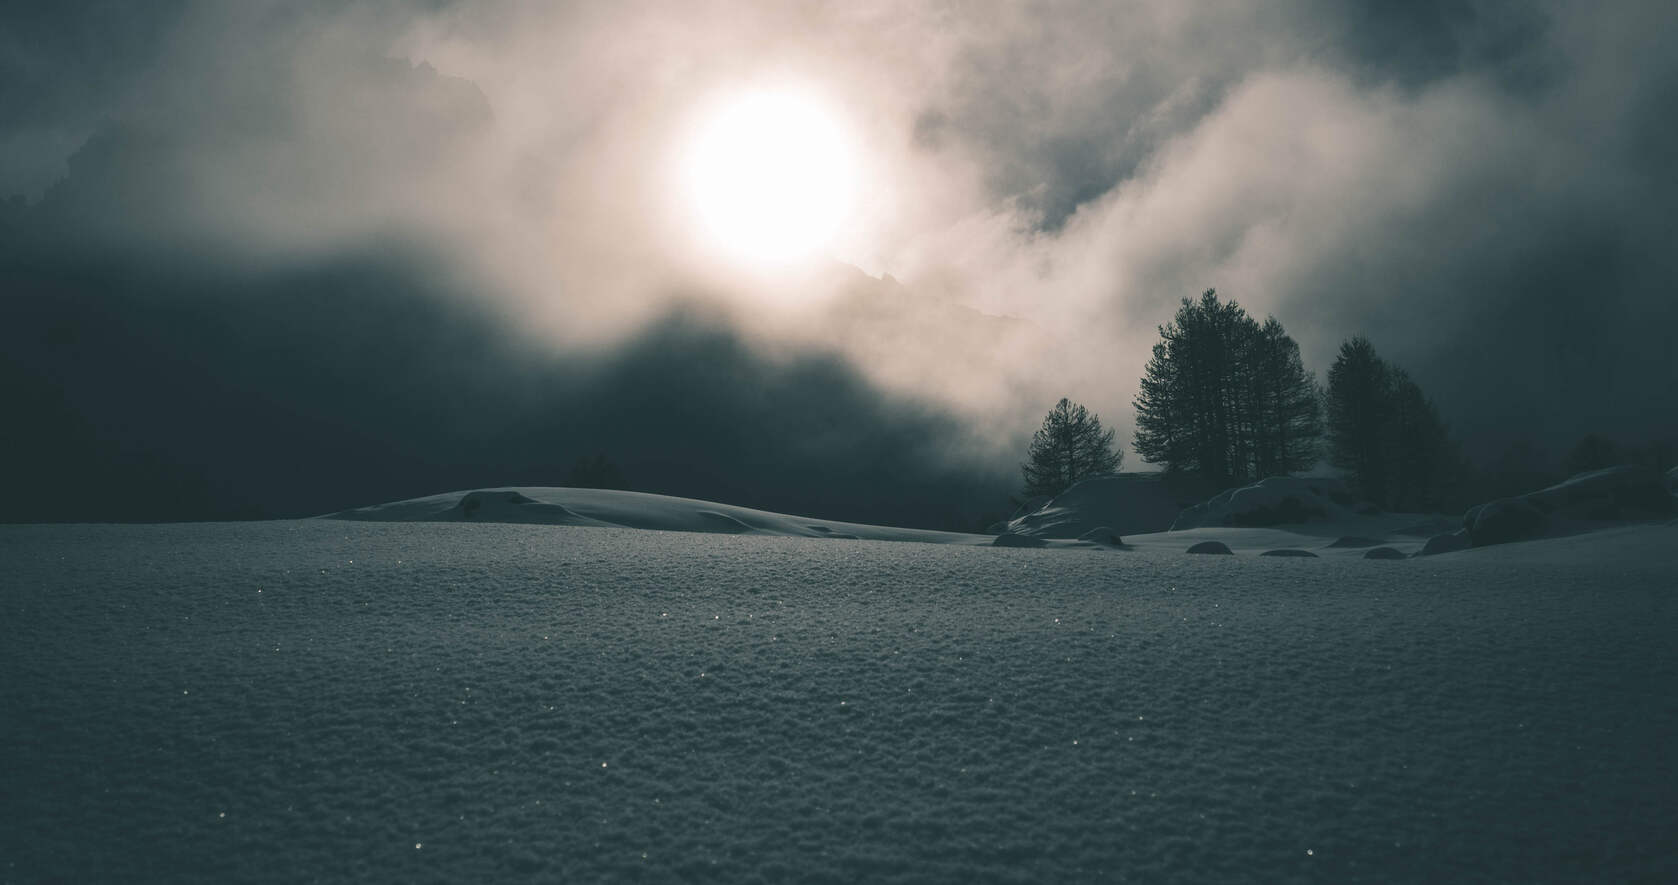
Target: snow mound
{"points": [[1125, 503], [1383, 553], [1290, 552], [506, 505], [1277, 500], [1216, 548], [722, 522], [1614, 494], [1012, 540], [609, 508], [1354, 541]]}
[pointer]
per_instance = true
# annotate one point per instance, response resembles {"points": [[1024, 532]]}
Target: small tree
{"points": [[1070, 446]]}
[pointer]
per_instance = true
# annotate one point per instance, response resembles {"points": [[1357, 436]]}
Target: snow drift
{"points": [[610, 508], [1122, 503]]}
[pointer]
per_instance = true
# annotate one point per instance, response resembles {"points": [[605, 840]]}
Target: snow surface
{"points": [[434, 701]]}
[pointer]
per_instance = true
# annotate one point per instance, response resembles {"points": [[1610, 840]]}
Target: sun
{"points": [[769, 177]]}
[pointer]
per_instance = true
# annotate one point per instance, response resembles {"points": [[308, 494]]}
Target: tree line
{"points": [[1227, 398]]}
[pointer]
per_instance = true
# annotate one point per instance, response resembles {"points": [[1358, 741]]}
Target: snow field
{"points": [[456, 702]]}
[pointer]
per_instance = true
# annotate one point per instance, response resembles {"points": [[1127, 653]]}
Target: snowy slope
{"points": [[1107, 502], [414, 702], [638, 510]]}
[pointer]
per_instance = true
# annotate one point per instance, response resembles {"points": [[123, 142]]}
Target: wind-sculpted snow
{"points": [[545, 505], [412, 702]]}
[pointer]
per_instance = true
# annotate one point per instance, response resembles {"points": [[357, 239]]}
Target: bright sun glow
{"points": [[770, 177]]}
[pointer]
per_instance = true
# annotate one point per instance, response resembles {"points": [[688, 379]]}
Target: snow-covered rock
{"points": [[1502, 521], [1030, 505], [1102, 535], [1290, 551], [1277, 500], [1383, 553], [1013, 540], [1125, 503], [1447, 542], [1625, 492], [1216, 548]]}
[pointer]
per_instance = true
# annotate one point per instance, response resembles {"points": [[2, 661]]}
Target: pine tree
{"points": [[1421, 460], [1288, 404], [1226, 397], [1359, 390], [1387, 434], [1070, 446]]}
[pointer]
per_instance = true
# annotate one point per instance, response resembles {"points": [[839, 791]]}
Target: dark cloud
{"points": [[141, 392], [1417, 43], [284, 258]]}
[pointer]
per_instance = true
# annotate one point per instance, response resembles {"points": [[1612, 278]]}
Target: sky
{"points": [[278, 258]]}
